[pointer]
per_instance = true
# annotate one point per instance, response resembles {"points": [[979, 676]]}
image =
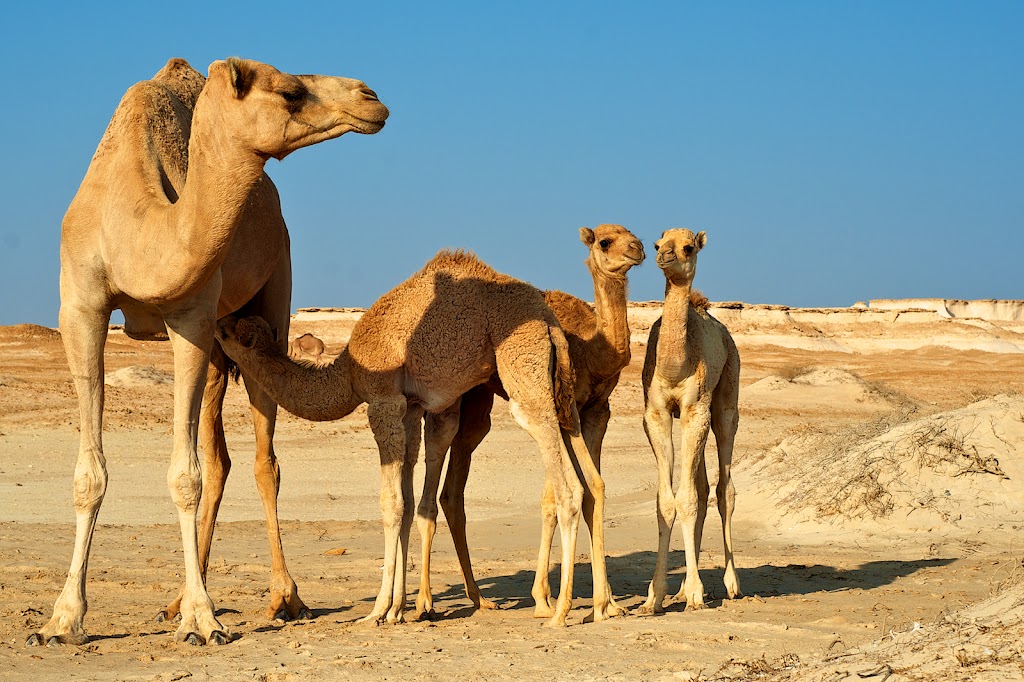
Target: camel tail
{"points": [[565, 383]]}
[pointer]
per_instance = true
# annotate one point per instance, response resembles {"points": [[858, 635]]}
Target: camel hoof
{"points": [[161, 617], [194, 639], [428, 615], [54, 642], [219, 637], [35, 639], [282, 615], [305, 614]]}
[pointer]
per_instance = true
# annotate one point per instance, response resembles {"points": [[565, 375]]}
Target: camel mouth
{"points": [[368, 127], [665, 261]]}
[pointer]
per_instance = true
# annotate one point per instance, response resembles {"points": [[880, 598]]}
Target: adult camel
{"points": [[177, 225]]}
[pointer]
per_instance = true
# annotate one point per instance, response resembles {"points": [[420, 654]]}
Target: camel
{"points": [[307, 344], [599, 349], [177, 225], [691, 371], [419, 349]]}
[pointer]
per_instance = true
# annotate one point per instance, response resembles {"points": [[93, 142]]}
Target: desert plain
{"points": [[878, 529]]}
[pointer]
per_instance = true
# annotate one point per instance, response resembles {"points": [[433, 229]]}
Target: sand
{"points": [[878, 524]]}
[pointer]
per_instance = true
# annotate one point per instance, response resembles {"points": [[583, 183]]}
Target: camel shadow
{"points": [[630, 576]]}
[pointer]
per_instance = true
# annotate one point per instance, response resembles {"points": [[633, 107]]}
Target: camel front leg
{"points": [[84, 332], [386, 417], [216, 467], [474, 425], [658, 427], [285, 603], [438, 431], [191, 333], [695, 423]]}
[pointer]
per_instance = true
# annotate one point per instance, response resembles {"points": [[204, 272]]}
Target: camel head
{"points": [[677, 254], [613, 249], [241, 337], [276, 113]]}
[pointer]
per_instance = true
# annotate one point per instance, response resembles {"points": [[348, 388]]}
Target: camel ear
{"points": [[701, 239], [242, 76], [587, 236]]}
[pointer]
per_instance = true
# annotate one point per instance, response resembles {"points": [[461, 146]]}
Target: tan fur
{"points": [[176, 224], [692, 371], [598, 345], [304, 345], [419, 348]]}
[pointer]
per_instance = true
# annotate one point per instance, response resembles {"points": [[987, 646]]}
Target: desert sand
{"points": [[878, 525]]}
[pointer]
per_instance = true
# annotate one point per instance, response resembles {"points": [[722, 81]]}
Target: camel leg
{"points": [[84, 332], [593, 425], [474, 425], [438, 431], [725, 423], [216, 466], [688, 503], [541, 591], [285, 603], [191, 333], [386, 417], [568, 491], [531, 401], [658, 427], [703, 493]]}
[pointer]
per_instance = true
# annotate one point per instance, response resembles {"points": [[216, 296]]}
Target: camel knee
{"points": [[688, 507], [427, 509], [267, 472], [90, 486], [726, 493], [186, 486]]}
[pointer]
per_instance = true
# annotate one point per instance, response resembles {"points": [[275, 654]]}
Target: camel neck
{"points": [[310, 392], [672, 337], [221, 175], [188, 240], [612, 324]]}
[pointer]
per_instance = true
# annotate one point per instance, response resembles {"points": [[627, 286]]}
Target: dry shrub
{"points": [[872, 469]]}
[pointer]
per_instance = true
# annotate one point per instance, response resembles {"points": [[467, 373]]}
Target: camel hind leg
{"points": [[724, 424], [525, 369], [285, 603], [474, 425]]}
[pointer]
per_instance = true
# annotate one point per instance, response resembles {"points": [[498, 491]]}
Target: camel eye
{"points": [[605, 243], [292, 96], [687, 249]]}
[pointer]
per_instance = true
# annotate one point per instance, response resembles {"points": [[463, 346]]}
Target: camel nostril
{"points": [[369, 94]]}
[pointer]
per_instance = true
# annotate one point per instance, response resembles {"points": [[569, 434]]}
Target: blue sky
{"points": [[833, 151]]}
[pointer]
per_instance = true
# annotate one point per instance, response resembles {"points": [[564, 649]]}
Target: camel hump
{"points": [[564, 382], [182, 80]]}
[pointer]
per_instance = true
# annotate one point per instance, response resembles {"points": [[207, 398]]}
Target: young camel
{"points": [[692, 371], [418, 349], [177, 224], [599, 348]]}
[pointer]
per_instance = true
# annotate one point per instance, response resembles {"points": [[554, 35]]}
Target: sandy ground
{"points": [[856, 566]]}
